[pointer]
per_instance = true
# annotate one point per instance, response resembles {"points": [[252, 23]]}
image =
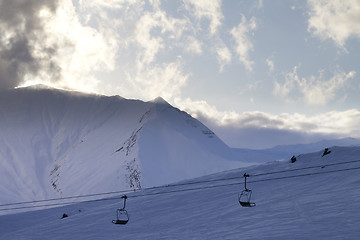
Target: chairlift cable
{"points": [[183, 190], [66, 198], [304, 168], [252, 175], [305, 175], [176, 185]]}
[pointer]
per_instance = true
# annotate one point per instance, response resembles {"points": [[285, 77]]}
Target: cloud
{"points": [[336, 20], [156, 33], [223, 56], [165, 80], [210, 10], [314, 90], [108, 4], [193, 46], [92, 42], [321, 92], [93, 48], [151, 31], [235, 128], [151, 45], [270, 64], [23, 47], [283, 89], [154, 29], [56, 43], [241, 35]]}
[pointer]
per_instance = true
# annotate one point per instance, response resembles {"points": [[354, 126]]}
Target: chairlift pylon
{"points": [[122, 216], [245, 196]]}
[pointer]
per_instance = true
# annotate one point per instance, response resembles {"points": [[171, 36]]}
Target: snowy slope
{"points": [[56, 143], [178, 143], [321, 203]]}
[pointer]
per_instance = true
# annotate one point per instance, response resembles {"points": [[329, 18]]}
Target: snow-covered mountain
{"points": [[316, 197], [56, 143], [285, 152]]}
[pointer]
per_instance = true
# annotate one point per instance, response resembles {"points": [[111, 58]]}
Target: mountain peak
{"points": [[160, 100]]}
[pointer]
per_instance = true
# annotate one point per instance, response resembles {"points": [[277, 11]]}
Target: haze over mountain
{"points": [[56, 143]]}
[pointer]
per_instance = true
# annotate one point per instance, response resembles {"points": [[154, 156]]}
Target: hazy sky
{"points": [[258, 73]]}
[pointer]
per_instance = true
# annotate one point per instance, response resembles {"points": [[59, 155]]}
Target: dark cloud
{"points": [[261, 138], [254, 119], [22, 29], [258, 131]]}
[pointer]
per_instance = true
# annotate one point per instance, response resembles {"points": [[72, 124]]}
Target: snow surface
{"points": [[316, 206], [56, 143]]}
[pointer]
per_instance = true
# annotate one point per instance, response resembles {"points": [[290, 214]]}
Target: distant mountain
{"points": [[287, 151], [61, 143]]}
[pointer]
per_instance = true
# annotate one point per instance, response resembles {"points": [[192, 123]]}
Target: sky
{"points": [[258, 73]]}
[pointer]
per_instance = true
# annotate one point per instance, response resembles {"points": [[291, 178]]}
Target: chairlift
{"points": [[122, 216], [245, 196]]}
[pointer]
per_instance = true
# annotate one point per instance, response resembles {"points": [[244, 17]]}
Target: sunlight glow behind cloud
{"points": [[82, 49]]}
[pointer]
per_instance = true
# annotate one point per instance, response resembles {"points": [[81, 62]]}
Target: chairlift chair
{"points": [[245, 196], [122, 216]]}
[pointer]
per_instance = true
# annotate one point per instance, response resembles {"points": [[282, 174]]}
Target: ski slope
{"points": [[314, 198]]}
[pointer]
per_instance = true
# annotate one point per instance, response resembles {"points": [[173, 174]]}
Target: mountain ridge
{"points": [[59, 143]]}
